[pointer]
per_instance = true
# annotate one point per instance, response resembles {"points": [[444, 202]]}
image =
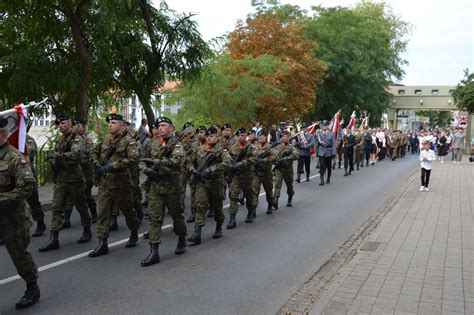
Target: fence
{"points": [[43, 168]]}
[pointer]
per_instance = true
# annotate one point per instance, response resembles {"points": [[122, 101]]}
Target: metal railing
{"points": [[43, 168]]}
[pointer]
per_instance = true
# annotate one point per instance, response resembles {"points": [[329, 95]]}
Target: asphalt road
{"points": [[253, 269]]}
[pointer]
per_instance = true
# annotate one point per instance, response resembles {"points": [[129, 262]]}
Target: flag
{"points": [[16, 126], [334, 124], [312, 128], [367, 121], [362, 125], [352, 121]]}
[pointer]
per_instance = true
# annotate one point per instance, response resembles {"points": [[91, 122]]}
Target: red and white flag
{"points": [[334, 124], [17, 126], [352, 121], [312, 128]]}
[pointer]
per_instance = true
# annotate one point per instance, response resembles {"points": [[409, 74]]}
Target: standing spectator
{"points": [[414, 142], [459, 144], [442, 147], [427, 156], [275, 135], [257, 128]]}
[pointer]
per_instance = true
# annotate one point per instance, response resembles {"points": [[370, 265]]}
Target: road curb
{"points": [[313, 291]]}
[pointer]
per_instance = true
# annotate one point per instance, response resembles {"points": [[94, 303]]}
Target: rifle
{"points": [[258, 167], [66, 147], [210, 160], [108, 155], [237, 160], [281, 156]]}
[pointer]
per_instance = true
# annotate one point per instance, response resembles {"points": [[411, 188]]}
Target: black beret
{"points": [[216, 126], [61, 118], [226, 125], [163, 119], [240, 130], [80, 122], [211, 131], [251, 131], [325, 123], [188, 124], [3, 122], [113, 116], [262, 133], [201, 128], [285, 133]]}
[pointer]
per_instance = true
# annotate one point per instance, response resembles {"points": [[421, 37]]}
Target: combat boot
{"points": [[275, 203], [269, 208], [153, 257], [132, 240], [298, 178], [249, 218], [345, 172], [192, 217], [232, 224], [52, 244], [241, 198], [113, 223], [181, 247], [93, 212], [86, 235], [101, 249], [40, 228], [218, 232], [66, 220], [290, 199], [196, 237], [210, 213], [32, 295]]}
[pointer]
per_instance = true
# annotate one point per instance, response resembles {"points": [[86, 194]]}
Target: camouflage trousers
{"points": [[35, 205], [76, 192], [241, 182], [357, 155], [185, 177], [108, 199], [209, 195], [90, 201], [15, 233], [280, 176], [266, 179], [157, 204]]}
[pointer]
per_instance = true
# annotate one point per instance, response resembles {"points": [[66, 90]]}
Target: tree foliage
{"points": [[464, 93], [266, 34]]}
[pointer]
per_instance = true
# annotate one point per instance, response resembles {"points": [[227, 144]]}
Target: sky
{"points": [[440, 47]]}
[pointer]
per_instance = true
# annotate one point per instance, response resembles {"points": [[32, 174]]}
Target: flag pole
{"points": [[27, 106]]}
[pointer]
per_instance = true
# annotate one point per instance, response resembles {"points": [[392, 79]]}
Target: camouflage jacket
{"points": [[286, 154], [16, 179], [222, 163], [248, 159], [264, 157], [32, 150], [69, 153]]}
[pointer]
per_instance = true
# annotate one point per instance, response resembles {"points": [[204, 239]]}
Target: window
{"points": [[47, 122], [401, 92], [435, 92], [41, 122], [417, 92]]}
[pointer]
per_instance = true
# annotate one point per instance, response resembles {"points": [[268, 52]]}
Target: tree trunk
{"points": [[145, 100]]}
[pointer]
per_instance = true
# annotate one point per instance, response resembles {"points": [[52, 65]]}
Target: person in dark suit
{"points": [[326, 151], [349, 142]]}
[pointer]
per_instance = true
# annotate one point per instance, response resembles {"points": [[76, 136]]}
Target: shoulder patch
{"points": [[23, 162], [178, 146], [77, 139]]}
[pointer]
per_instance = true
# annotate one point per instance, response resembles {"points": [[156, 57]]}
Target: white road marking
{"points": [[81, 255]]}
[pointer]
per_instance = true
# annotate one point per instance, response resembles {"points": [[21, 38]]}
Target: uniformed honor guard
{"points": [[66, 164], [349, 142], [163, 163], [284, 154], [326, 152], [304, 143], [210, 162], [112, 157], [188, 141], [16, 184], [201, 140], [359, 139]]}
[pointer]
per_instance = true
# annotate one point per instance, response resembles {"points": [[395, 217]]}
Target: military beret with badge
{"points": [[211, 131], [113, 116], [226, 126], [203, 128], [61, 118], [240, 131], [262, 132], [163, 119]]}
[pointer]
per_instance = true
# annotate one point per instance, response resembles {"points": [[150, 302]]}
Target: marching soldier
{"points": [[326, 151], [284, 154], [209, 164], [304, 142], [16, 184], [201, 140], [393, 145], [66, 162], [112, 158], [263, 170], [243, 158], [189, 144], [163, 163], [33, 200], [359, 139], [349, 142]]}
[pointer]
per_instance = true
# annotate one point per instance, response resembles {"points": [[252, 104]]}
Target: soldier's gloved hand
{"points": [[151, 173], [279, 163], [238, 167], [196, 174], [206, 174], [99, 170], [107, 166], [148, 161]]}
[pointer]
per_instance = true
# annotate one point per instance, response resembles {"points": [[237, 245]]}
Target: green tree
{"points": [[228, 91], [464, 93], [441, 119], [362, 47]]}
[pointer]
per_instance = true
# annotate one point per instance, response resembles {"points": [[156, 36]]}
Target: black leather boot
{"points": [[232, 224], [101, 249], [153, 257], [113, 223], [40, 228], [86, 235], [52, 244], [132, 240], [298, 178], [275, 203], [210, 213], [269, 208], [249, 218], [290, 200], [146, 235], [93, 212], [32, 295], [66, 220], [192, 216], [196, 237], [181, 247], [218, 232]]}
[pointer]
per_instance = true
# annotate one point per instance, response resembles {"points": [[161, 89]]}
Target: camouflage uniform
{"points": [[190, 147], [115, 189], [263, 173], [392, 145], [165, 192], [359, 138], [33, 200], [16, 184], [284, 172]]}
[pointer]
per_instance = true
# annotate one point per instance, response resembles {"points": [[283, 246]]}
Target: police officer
{"points": [[349, 142], [210, 162], [66, 161], [16, 184], [163, 162], [304, 143], [263, 170], [243, 158], [326, 151], [112, 157], [284, 154]]}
